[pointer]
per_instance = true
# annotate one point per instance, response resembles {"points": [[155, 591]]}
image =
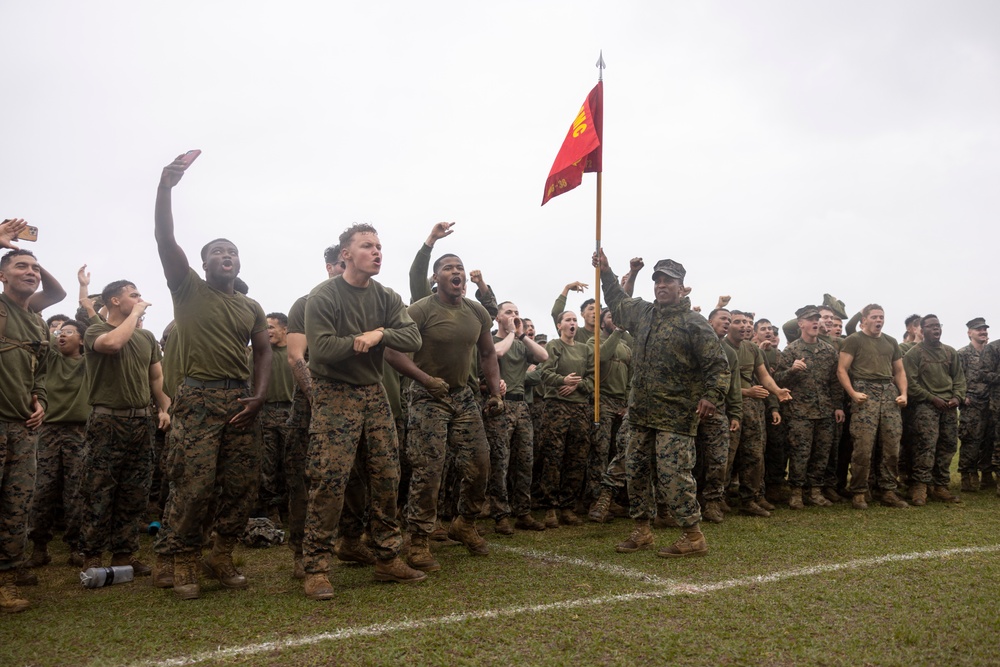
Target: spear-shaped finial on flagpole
{"points": [[600, 66]]}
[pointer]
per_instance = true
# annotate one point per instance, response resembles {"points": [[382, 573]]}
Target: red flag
{"points": [[581, 150]]}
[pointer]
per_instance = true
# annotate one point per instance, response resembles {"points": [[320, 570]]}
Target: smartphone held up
{"points": [[189, 157]]}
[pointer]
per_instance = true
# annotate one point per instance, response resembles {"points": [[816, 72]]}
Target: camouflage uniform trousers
{"points": [[975, 433], [352, 430], [746, 450], [604, 436], [511, 440], [877, 420], [274, 436], [615, 477], [115, 490], [435, 429], [935, 445], [213, 468], [776, 450], [712, 455], [537, 423], [907, 441], [60, 469], [296, 450], [566, 442], [17, 483], [809, 445], [665, 459]]}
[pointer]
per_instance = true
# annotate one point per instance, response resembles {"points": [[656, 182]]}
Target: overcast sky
{"points": [[779, 150]]}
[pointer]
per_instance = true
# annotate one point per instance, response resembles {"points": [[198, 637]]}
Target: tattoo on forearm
{"points": [[301, 373]]}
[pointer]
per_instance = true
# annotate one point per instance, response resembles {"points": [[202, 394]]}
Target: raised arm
{"points": [[83, 278], [113, 341], [172, 257], [560, 303], [628, 280], [50, 294], [420, 269]]}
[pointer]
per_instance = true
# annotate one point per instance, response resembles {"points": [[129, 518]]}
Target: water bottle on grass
{"points": [[96, 577]]}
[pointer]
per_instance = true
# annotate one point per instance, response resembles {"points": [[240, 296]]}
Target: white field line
{"points": [[616, 570], [666, 589]]}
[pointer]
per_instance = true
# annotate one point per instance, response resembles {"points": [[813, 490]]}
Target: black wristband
{"points": [[521, 337]]}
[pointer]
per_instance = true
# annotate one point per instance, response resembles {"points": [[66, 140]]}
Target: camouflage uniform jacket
{"points": [[677, 360], [816, 389], [989, 368], [977, 389]]}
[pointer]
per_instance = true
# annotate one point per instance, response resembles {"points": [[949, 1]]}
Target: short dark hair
{"points": [[913, 319], [500, 305], [583, 306], [348, 234], [281, 317], [763, 320], [717, 311], [923, 320], [7, 258], [740, 313], [867, 310], [439, 260], [114, 289], [332, 254], [81, 329], [204, 249], [62, 318]]}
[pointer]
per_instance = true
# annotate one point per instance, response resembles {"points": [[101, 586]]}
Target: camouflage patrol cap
{"points": [[977, 322], [807, 312], [669, 267]]}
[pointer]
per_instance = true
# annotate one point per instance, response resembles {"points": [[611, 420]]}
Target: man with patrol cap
{"points": [[974, 430], [681, 376], [808, 367]]}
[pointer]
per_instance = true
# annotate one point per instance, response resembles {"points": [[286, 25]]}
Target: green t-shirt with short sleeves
{"points": [[514, 365], [279, 390], [120, 380], [66, 381], [215, 329], [450, 334], [873, 357], [22, 372]]}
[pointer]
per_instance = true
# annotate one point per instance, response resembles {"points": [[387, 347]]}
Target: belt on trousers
{"points": [[279, 405], [877, 381], [226, 383], [514, 397], [127, 412]]}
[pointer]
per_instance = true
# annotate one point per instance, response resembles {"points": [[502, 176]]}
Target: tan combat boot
{"points": [[318, 587], [569, 518], [39, 555], [641, 538], [831, 494], [11, 601], [351, 550], [691, 543], [551, 519], [528, 522], [464, 531], [753, 508], [918, 494], [858, 502], [163, 571], [600, 511], [219, 563], [665, 518], [795, 499], [713, 512], [890, 499], [394, 569], [420, 556], [186, 575], [505, 526], [818, 498], [139, 569], [298, 566], [942, 493]]}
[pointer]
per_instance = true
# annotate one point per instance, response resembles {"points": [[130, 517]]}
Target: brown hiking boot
{"points": [[724, 506], [163, 571], [831, 494], [298, 568], [186, 575], [318, 587], [970, 482], [766, 504], [505, 526], [419, 556], [600, 511], [752, 508], [528, 522], [665, 519], [551, 519], [464, 530], [858, 502], [75, 559], [817, 498], [219, 564], [712, 512], [641, 538], [39, 556], [11, 601], [90, 561], [795, 500], [569, 518], [691, 543], [890, 499], [942, 493], [351, 550], [394, 569], [139, 569], [918, 494]]}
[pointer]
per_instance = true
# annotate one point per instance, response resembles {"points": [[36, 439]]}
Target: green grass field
{"points": [[820, 587]]}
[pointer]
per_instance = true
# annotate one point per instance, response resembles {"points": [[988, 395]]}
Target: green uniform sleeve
{"points": [[911, 363], [558, 308], [958, 372], [852, 324], [419, 271], [489, 301]]}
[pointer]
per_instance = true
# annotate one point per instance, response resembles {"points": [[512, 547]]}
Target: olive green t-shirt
{"points": [[22, 373], [215, 329], [514, 365], [750, 358], [449, 334], [120, 380], [280, 388], [173, 364], [873, 357], [563, 360], [66, 381], [297, 316], [337, 312], [616, 364]]}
